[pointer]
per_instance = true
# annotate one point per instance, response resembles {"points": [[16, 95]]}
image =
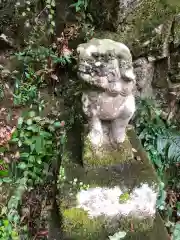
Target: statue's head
{"points": [[105, 58]]}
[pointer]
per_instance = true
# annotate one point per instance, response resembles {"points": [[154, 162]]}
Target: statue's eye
{"points": [[95, 55]]}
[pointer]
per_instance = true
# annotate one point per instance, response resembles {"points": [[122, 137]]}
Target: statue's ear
{"points": [[128, 75]]}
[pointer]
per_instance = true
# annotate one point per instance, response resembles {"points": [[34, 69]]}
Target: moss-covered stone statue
{"points": [[105, 67], [116, 189]]}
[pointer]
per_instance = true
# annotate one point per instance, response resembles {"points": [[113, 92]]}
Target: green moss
{"points": [[106, 156], [77, 225], [157, 232]]}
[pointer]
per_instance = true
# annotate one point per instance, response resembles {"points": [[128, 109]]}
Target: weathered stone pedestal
{"points": [[119, 194]]}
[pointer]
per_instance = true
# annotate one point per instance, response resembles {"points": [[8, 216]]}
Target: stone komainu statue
{"points": [[105, 68]]}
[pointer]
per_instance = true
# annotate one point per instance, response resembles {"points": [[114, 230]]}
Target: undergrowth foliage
{"points": [[38, 144], [162, 142]]}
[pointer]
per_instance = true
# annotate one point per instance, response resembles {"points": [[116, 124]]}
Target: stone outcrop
{"points": [[151, 31], [144, 71]]}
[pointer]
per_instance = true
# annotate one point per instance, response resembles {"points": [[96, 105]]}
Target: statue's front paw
{"points": [[120, 139], [96, 138]]}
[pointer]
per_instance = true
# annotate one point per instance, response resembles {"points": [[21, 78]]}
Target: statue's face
{"points": [[104, 68]]}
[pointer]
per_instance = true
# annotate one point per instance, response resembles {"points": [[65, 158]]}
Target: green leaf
{"points": [[24, 155], [31, 159], [22, 165], [6, 222], [176, 233], [63, 140], [15, 140], [178, 205], [27, 75], [53, 4], [20, 121], [37, 119], [29, 121], [32, 146], [57, 124], [32, 114], [38, 144], [7, 180], [2, 149], [16, 219], [124, 197], [33, 128], [53, 23], [30, 165], [50, 16], [39, 161], [46, 134], [3, 210], [19, 143]]}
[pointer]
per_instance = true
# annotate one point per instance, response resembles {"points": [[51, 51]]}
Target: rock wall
{"points": [[151, 30]]}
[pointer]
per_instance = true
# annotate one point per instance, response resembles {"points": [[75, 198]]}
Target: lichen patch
{"points": [[100, 201]]}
